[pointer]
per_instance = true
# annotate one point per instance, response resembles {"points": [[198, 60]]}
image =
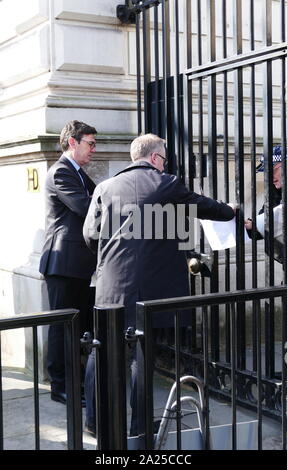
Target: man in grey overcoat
{"points": [[135, 261]]}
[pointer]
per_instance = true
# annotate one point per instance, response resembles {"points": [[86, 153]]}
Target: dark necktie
{"points": [[83, 179]]}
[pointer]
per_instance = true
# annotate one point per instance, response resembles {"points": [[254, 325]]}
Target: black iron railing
{"points": [[227, 379], [211, 80], [70, 319], [110, 373]]}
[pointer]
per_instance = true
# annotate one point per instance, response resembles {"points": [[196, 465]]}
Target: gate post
{"points": [[110, 377]]}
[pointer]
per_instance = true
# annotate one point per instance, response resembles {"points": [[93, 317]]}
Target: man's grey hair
{"points": [[144, 145]]}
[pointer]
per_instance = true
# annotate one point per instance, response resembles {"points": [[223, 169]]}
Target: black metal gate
{"points": [[211, 80]]}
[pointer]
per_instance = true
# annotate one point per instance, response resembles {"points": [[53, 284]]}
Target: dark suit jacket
{"points": [[141, 269], [67, 201]]}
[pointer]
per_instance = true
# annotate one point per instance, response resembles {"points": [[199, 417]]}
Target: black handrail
{"points": [[182, 303], [145, 311], [110, 374], [70, 318]]}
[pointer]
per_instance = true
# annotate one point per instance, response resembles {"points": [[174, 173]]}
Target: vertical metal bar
{"points": [[212, 154], [206, 377], [116, 379], [177, 377], [36, 388], [283, 140], [147, 66], [164, 72], [101, 379], [200, 127], [200, 96], [253, 183], [284, 200], [259, 371], [138, 62], [226, 177], [239, 182], [187, 98], [233, 375], [156, 72], [284, 369], [189, 163], [177, 120], [145, 377], [73, 383], [200, 100], [1, 400], [111, 382], [166, 66], [268, 182], [166, 13], [188, 33], [212, 128]]}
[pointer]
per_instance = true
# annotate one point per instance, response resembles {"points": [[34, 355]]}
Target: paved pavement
{"points": [[18, 415]]}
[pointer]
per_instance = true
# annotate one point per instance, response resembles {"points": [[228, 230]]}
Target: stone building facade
{"points": [[64, 60]]}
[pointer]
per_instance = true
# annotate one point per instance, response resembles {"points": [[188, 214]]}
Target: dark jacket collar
{"points": [[141, 164], [64, 159]]}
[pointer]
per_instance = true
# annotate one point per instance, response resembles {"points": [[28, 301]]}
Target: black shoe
{"points": [[90, 429], [61, 397], [156, 425]]}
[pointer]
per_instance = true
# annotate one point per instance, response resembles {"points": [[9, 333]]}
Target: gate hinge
{"points": [[125, 14]]}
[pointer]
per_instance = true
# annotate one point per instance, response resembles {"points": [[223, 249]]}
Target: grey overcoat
{"points": [[139, 268]]}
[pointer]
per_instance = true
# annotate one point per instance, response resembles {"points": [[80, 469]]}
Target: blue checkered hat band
{"points": [[276, 157]]}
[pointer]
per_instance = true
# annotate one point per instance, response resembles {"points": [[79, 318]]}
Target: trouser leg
{"points": [[133, 396], [66, 293], [133, 383], [90, 391], [57, 292]]}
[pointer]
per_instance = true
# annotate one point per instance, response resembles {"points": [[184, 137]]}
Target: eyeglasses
{"points": [[159, 155], [91, 144]]}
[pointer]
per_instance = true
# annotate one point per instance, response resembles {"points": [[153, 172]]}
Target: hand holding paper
{"points": [[221, 235]]}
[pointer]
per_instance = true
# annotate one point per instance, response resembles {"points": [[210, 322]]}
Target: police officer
{"points": [[277, 196]]}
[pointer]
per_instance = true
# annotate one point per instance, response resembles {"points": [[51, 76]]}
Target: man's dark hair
{"points": [[75, 129]]}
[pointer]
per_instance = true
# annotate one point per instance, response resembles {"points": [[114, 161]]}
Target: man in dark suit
{"points": [[134, 268], [66, 262]]}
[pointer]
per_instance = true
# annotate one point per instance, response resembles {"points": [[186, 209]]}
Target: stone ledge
{"points": [[100, 11], [46, 147]]}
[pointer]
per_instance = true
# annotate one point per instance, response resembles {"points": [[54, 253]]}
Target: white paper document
{"points": [[278, 221], [221, 235]]}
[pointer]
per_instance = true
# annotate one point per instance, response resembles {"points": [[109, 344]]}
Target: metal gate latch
{"points": [[88, 343], [132, 335]]}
